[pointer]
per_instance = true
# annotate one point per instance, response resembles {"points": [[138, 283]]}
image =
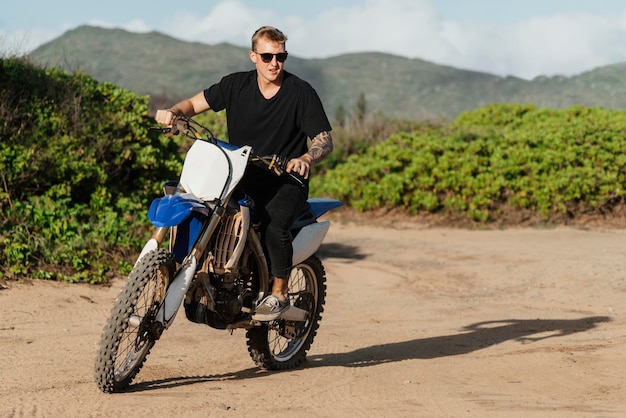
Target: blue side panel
{"points": [[320, 206], [186, 235], [315, 208]]}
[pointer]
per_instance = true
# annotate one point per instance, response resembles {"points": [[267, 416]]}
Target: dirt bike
{"points": [[206, 254]]}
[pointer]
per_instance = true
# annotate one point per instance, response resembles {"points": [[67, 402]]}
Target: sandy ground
{"points": [[419, 322]]}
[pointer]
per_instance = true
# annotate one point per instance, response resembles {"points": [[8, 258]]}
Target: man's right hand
{"points": [[165, 117]]}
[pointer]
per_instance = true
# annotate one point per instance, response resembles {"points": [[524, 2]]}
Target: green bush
{"points": [[78, 169], [558, 164]]}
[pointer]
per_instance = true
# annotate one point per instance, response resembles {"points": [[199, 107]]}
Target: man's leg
{"points": [[280, 213]]}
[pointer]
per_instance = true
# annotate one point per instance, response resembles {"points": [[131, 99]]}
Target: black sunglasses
{"points": [[267, 57]]}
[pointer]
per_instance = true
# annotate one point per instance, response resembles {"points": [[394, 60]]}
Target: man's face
{"points": [[272, 70]]}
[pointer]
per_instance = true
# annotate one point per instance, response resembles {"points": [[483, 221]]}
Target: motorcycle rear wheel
{"points": [[132, 330], [283, 345]]}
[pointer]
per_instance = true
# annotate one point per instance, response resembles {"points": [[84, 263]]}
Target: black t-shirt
{"points": [[280, 125]]}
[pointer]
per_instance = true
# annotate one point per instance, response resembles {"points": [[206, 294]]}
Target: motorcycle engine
{"points": [[222, 293], [215, 300]]}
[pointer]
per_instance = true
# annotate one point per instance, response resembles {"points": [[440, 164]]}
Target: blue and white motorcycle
{"points": [[206, 254]]}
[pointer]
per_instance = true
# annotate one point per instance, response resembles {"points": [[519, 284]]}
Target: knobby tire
{"points": [[283, 345], [131, 330]]}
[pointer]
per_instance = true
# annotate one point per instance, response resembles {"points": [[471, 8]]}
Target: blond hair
{"points": [[270, 33]]}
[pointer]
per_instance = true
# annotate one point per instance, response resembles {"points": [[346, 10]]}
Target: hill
{"points": [[159, 65]]}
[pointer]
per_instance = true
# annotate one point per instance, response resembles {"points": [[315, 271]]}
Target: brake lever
{"points": [[298, 178], [164, 131]]}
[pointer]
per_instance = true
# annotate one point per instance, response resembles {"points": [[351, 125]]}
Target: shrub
{"points": [[558, 164], [78, 169]]}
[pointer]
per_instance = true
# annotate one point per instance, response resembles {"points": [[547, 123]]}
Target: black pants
{"points": [[278, 201]]}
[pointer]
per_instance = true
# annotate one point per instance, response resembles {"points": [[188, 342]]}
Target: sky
{"points": [[521, 38]]}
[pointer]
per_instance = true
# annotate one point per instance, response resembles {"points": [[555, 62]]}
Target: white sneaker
{"points": [[270, 308]]}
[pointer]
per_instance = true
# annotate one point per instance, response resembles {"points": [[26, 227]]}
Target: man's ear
{"points": [[252, 55]]}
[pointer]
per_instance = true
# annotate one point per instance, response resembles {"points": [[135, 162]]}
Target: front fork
{"points": [[178, 287], [154, 242], [180, 284]]}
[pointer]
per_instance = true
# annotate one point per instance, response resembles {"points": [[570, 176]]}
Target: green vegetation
{"points": [[79, 168], [557, 164]]}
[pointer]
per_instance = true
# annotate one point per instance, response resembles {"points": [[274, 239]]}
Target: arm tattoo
{"points": [[321, 146]]}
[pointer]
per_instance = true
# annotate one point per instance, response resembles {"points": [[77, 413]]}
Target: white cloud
{"points": [[229, 21], [19, 42], [137, 25], [553, 44], [549, 45], [565, 44]]}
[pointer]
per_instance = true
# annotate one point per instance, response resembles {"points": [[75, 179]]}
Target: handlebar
{"points": [[278, 165], [184, 125]]}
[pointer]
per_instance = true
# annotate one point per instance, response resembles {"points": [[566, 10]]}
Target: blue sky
{"points": [[523, 38]]}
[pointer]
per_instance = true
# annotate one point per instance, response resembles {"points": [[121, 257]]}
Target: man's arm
{"points": [[188, 107], [321, 146]]}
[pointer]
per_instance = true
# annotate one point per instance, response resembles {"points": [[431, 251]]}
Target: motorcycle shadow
{"points": [[473, 337], [334, 250]]}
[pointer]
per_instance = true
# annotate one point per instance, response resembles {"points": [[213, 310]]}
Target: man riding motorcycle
{"points": [[275, 112]]}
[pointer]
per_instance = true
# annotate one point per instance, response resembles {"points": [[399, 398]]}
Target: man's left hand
{"points": [[300, 166]]}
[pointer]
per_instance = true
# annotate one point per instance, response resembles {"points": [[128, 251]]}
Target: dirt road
{"points": [[419, 322]]}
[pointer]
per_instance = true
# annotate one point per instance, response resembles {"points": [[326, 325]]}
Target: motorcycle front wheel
{"points": [[132, 329], [281, 344]]}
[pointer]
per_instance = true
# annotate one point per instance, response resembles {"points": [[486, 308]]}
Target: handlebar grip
{"points": [[278, 165]]}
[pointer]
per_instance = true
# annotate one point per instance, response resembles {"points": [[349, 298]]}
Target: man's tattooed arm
{"points": [[321, 146]]}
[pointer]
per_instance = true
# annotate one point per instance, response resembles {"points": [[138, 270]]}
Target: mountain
{"points": [[397, 87]]}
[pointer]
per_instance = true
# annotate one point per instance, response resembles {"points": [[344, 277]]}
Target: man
{"points": [[275, 112]]}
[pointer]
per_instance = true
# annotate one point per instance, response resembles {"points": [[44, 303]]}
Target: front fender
{"points": [[172, 210]]}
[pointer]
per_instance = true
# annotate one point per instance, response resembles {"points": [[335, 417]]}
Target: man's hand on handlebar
{"points": [[300, 166], [279, 166], [165, 117], [174, 123]]}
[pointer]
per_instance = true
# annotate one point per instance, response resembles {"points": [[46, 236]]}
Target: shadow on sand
{"points": [[473, 337]]}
